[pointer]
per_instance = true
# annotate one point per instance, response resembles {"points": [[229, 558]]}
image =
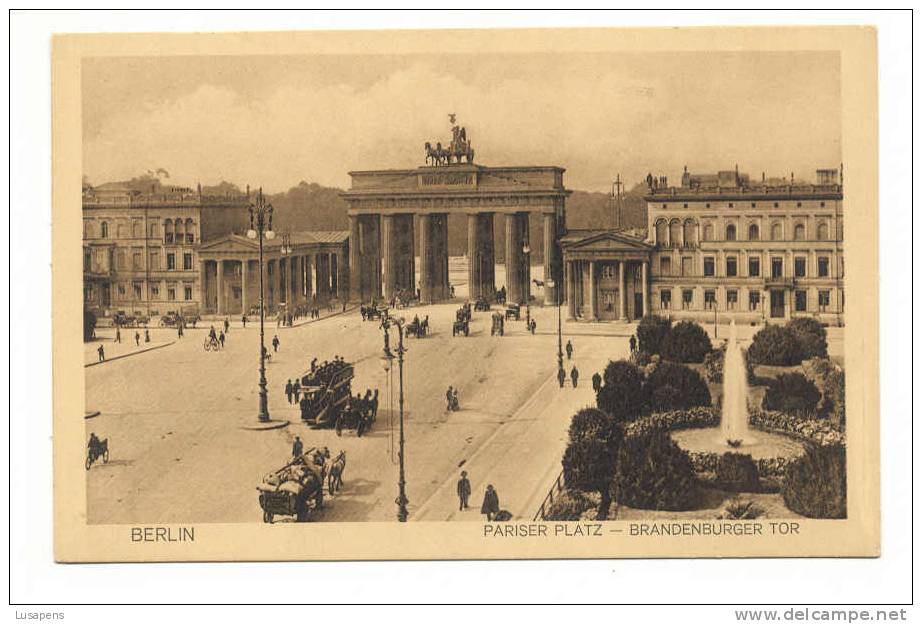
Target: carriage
{"points": [[498, 326], [96, 449], [463, 313], [417, 328], [122, 319], [325, 394], [461, 327], [513, 311], [170, 319], [372, 312], [295, 490], [356, 415], [482, 305]]}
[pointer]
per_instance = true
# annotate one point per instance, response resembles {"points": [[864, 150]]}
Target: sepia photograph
{"points": [[555, 294]]}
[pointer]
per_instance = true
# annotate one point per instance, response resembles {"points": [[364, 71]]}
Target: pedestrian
{"points": [[288, 391], [137, 338], [633, 343], [464, 491], [297, 449], [313, 365], [490, 506], [569, 350], [534, 326], [118, 334], [146, 335], [296, 390], [596, 382], [243, 319], [102, 353], [561, 376], [179, 329], [221, 339], [455, 403], [226, 324], [574, 376], [448, 397], [275, 343]]}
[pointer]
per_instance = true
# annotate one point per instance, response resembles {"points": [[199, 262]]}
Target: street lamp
{"points": [[285, 249], [386, 360], [551, 283], [526, 251], [261, 225]]}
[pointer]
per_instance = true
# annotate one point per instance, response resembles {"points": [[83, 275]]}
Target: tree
{"points": [[776, 346], [685, 342], [811, 337], [622, 395], [591, 455], [814, 484], [651, 331], [793, 393], [655, 473], [678, 384]]}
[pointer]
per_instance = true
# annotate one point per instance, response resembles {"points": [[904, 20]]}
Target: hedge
{"points": [[685, 342], [814, 485], [651, 330], [792, 393], [686, 388]]}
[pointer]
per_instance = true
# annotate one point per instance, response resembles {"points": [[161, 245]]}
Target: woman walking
{"points": [[490, 505]]}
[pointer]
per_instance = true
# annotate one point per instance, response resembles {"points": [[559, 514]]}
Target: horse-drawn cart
{"points": [[417, 328], [295, 490], [326, 391]]}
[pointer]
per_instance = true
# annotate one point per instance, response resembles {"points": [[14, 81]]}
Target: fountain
{"points": [[734, 414]]}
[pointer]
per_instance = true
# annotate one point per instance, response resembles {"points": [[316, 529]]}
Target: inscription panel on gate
{"points": [[447, 179]]}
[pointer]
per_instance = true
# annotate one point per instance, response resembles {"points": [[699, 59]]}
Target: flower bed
{"points": [[694, 418], [807, 429], [705, 462]]}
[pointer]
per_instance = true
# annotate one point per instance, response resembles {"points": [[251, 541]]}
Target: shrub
{"points": [[738, 472], [639, 358], [655, 473], [739, 510], [686, 342], [664, 399], [814, 485], [829, 379], [622, 395], [89, 325], [791, 392], [590, 459], [690, 388], [651, 330], [570, 505], [810, 335], [774, 345], [714, 365]]}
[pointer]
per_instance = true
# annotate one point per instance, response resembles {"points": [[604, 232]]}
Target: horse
{"points": [[335, 476]]}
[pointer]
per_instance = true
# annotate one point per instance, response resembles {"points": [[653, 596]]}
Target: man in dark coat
{"points": [[561, 376], [297, 449], [633, 343], [490, 506], [221, 339], [288, 391], [574, 376], [243, 319], [596, 382], [296, 390], [275, 343], [464, 491], [137, 339], [569, 350], [146, 335], [118, 334], [226, 324], [449, 395], [102, 353]]}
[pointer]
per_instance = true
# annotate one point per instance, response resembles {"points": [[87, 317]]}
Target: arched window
{"points": [[690, 238], [753, 231], [776, 231], [167, 231], [190, 231], [104, 230], [822, 231], [675, 233], [731, 232], [661, 232], [799, 231], [708, 232], [179, 230]]}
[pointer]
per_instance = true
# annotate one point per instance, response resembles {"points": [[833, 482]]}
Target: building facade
{"points": [[717, 247]]}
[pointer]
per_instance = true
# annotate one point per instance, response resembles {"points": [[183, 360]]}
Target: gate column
{"points": [[425, 259], [389, 252]]}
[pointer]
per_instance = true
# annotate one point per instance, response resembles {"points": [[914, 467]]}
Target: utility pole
{"points": [[616, 186]]}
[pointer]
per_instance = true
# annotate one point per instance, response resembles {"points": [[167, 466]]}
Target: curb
{"points": [[124, 355], [266, 426], [91, 414]]}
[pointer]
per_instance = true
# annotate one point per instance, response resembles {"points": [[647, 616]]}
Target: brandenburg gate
{"points": [[397, 214]]}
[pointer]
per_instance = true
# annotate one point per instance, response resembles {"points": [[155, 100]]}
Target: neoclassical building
{"points": [[717, 246]]}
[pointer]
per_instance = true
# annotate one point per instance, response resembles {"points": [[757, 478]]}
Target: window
{"points": [[732, 299], [753, 232], [87, 260], [187, 262], [178, 229], [665, 298], [777, 267], [710, 300], [709, 266], [731, 266], [822, 266], [687, 270], [689, 233], [823, 300], [665, 265], [137, 292], [171, 293], [187, 293], [800, 266], [776, 231], [168, 231], [121, 259], [104, 230], [754, 266], [153, 230], [171, 262], [137, 261], [88, 293], [822, 231], [155, 261], [661, 232], [687, 299], [754, 300], [121, 290], [190, 232], [154, 291], [708, 233], [799, 231], [137, 228], [122, 229], [800, 300], [731, 232], [675, 233]]}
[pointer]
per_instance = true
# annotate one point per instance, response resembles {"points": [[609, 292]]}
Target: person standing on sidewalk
{"points": [[137, 338], [561, 376], [297, 449], [464, 491], [569, 349], [102, 353], [490, 506], [296, 391], [633, 343], [146, 335], [221, 339], [226, 324], [243, 319], [574, 376], [596, 382], [118, 334], [288, 390], [275, 343]]}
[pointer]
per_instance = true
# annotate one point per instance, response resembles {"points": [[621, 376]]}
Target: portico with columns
{"points": [[312, 268], [396, 215], [607, 275]]}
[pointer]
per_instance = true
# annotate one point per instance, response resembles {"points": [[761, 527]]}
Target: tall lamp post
{"points": [[526, 251], [551, 283], [286, 250], [387, 359], [261, 226]]}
